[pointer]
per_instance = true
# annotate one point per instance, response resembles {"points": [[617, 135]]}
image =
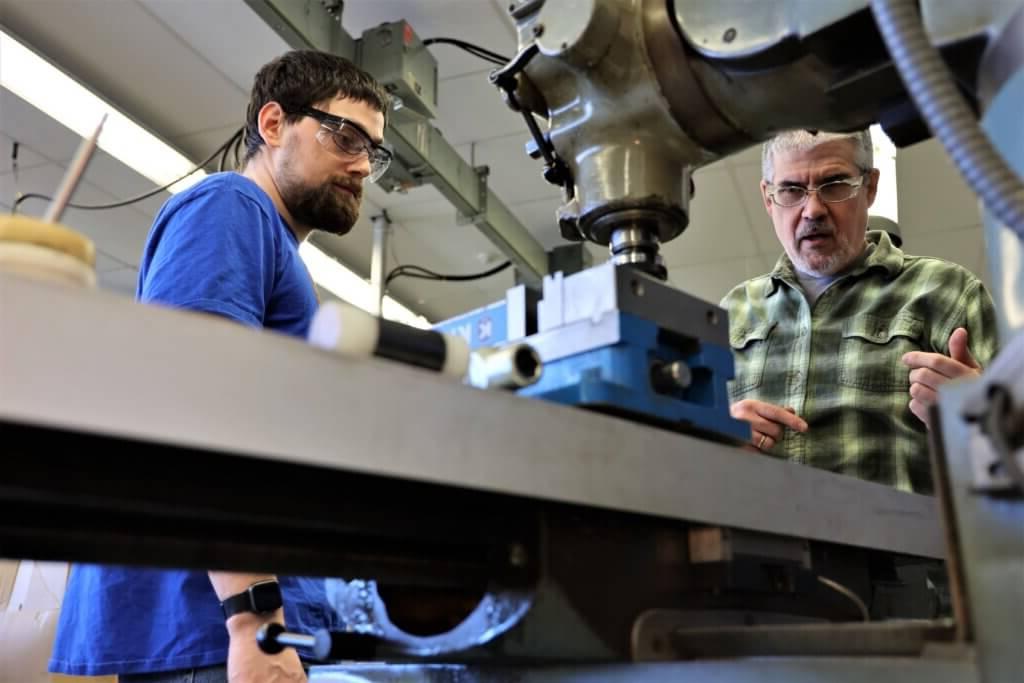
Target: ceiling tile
{"points": [[420, 202], [120, 233], [471, 109], [963, 246], [539, 217], [205, 142], [414, 195], [26, 124], [203, 28], [122, 183], [751, 155], [747, 179], [26, 159], [514, 176], [42, 179], [932, 196], [712, 280], [155, 77], [718, 227]]}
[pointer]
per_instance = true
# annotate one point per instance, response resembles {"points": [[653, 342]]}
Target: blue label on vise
{"points": [[487, 326]]}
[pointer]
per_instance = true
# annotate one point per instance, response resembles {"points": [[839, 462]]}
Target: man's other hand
{"points": [[929, 371], [248, 664], [767, 421]]}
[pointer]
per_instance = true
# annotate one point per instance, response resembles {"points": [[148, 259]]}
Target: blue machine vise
{"points": [[616, 340]]}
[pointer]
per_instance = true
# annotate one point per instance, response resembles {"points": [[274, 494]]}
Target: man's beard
{"points": [[325, 207], [818, 263]]}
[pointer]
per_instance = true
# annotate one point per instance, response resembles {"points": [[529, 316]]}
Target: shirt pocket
{"points": [[750, 350], [871, 349]]}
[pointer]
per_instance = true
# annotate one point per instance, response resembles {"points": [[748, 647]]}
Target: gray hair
{"points": [[803, 140]]}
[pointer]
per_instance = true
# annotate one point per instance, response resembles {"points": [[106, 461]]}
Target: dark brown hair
{"points": [[301, 78]]}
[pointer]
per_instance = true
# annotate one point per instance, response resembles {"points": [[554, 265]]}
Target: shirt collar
{"points": [[882, 254]]}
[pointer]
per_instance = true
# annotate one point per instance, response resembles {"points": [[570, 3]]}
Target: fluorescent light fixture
{"points": [[50, 90], [45, 87], [347, 286], [886, 203]]}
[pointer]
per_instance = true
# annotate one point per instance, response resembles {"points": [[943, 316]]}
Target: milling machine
{"points": [[512, 539]]}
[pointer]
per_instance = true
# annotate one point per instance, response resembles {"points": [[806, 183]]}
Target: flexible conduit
{"points": [[931, 86]]}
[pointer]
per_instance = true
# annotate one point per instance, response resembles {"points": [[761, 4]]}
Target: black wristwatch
{"points": [[261, 598]]}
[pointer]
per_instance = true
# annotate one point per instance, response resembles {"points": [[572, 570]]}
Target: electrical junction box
{"points": [[394, 55]]}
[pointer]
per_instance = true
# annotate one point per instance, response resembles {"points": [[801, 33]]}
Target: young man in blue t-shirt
{"points": [[229, 246]]}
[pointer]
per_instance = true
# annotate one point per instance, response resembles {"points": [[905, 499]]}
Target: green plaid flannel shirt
{"points": [[837, 364]]}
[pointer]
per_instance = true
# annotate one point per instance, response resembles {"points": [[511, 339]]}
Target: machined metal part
{"points": [[952, 22], [274, 640], [1001, 84], [988, 531], [1003, 57], [577, 337], [322, 645], [183, 379], [714, 544], [509, 367], [595, 84], [582, 36], [575, 617], [637, 245], [590, 294], [835, 79], [717, 31], [359, 605], [684, 95], [665, 635], [669, 377], [942, 667], [995, 408]]}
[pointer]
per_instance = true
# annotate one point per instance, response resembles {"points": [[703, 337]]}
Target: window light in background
{"points": [[884, 213], [885, 161], [53, 92]]}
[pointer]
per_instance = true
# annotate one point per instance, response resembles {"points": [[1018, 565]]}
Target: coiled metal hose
{"points": [[931, 86]]}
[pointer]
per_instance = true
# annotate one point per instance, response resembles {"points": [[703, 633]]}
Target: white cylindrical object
{"points": [[343, 328], [509, 367], [457, 356]]}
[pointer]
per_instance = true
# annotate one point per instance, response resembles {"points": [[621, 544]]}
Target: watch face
{"points": [[266, 596]]}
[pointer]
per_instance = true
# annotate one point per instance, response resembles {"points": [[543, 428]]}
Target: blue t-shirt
{"points": [[219, 247]]}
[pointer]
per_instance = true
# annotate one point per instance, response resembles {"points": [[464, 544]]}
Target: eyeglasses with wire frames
{"points": [[347, 138], [832, 192]]}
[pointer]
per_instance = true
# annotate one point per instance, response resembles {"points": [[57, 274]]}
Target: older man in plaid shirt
{"points": [[841, 348]]}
